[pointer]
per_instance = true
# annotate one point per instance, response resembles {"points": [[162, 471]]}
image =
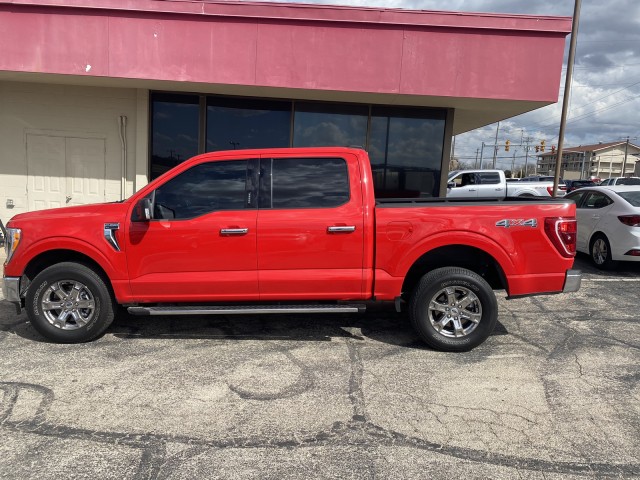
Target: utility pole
{"points": [[495, 146], [624, 162], [453, 148], [475, 165], [481, 153], [567, 91], [526, 156]]}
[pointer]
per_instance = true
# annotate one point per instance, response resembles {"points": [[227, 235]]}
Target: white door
{"points": [[45, 172], [85, 170], [64, 171]]}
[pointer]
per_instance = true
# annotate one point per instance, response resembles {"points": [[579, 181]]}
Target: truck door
{"points": [[462, 185], [490, 185], [310, 229], [201, 243]]}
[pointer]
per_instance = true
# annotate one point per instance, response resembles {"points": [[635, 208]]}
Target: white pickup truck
{"points": [[493, 184]]}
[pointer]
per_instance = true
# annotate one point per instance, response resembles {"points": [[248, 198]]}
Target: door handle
{"points": [[233, 231], [341, 229], [472, 189]]}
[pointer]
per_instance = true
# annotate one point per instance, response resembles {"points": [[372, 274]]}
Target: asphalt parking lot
{"points": [[554, 393]]}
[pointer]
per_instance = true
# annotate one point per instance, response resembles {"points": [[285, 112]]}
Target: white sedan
{"points": [[608, 223]]}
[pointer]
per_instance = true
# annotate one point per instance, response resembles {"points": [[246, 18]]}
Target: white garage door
{"points": [[64, 170]]}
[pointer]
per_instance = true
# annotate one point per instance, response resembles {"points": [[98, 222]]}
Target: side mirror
{"points": [[144, 210], [451, 185]]}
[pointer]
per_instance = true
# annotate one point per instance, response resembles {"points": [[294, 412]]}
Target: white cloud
{"points": [[605, 95]]}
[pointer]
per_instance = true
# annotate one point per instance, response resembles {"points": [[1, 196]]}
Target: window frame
{"points": [[250, 195], [266, 183]]}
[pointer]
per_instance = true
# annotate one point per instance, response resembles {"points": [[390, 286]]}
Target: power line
{"points": [[541, 125]]}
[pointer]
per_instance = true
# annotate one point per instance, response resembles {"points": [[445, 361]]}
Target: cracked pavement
{"points": [[554, 393]]}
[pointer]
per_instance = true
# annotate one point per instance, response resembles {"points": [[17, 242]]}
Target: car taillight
{"points": [[562, 233], [631, 220], [550, 190]]}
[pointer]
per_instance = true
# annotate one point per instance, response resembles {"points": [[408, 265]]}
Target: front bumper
{"points": [[572, 281], [11, 292]]}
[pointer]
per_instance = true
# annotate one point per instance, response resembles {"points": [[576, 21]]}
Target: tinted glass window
{"points": [[632, 197], [489, 178], [240, 123], [576, 196], [202, 189], [174, 131], [464, 179], [628, 181], [405, 148], [322, 125], [309, 182], [596, 200]]}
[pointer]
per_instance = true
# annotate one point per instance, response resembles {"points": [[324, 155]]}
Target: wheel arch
{"points": [[463, 256], [594, 235], [52, 257]]}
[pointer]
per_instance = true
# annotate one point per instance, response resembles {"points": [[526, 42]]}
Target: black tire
{"points": [[600, 252], [457, 327], [69, 303]]}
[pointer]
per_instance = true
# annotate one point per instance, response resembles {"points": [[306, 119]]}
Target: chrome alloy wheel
{"points": [[68, 305], [455, 311], [599, 251]]}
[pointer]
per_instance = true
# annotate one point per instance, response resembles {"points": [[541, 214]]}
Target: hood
{"points": [[80, 211]]}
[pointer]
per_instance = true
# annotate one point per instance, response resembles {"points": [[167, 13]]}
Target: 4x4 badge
{"points": [[517, 222]]}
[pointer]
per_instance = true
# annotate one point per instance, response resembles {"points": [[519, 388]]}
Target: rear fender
{"points": [[464, 238]]}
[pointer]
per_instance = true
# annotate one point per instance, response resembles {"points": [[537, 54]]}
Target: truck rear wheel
{"points": [[453, 309], [69, 303]]}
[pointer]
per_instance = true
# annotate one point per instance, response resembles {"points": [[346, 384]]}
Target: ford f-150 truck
{"points": [[493, 184], [285, 230]]}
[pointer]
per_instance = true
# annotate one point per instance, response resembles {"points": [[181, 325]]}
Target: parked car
{"points": [[493, 184], [620, 181], [608, 223], [285, 231], [538, 178], [575, 184]]}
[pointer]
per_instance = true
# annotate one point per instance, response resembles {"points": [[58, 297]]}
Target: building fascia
{"points": [[321, 13], [483, 65]]}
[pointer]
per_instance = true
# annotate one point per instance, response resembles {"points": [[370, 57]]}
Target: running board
{"points": [[246, 309]]}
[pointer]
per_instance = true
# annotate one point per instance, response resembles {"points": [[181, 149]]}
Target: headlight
{"points": [[12, 241]]}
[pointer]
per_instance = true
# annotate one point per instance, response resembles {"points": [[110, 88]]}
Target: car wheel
{"points": [[453, 309], [69, 303], [601, 252]]}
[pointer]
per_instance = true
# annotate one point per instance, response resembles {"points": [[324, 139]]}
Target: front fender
{"points": [[113, 263]]}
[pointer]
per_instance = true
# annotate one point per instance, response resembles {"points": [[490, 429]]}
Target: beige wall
{"points": [[608, 163], [71, 111], [604, 163]]}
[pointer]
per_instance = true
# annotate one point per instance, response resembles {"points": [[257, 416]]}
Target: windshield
{"points": [[632, 197], [628, 181]]}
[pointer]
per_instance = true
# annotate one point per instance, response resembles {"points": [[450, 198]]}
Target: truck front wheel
{"points": [[453, 309], [69, 303]]}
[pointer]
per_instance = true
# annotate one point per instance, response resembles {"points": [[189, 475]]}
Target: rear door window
{"points": [[489, 178], [304, 183]]}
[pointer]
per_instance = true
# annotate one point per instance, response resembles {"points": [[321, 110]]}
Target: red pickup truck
{"points": [[285, 231]]}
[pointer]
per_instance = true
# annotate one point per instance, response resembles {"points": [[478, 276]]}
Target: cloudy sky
{"points": [[605, 92]]}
